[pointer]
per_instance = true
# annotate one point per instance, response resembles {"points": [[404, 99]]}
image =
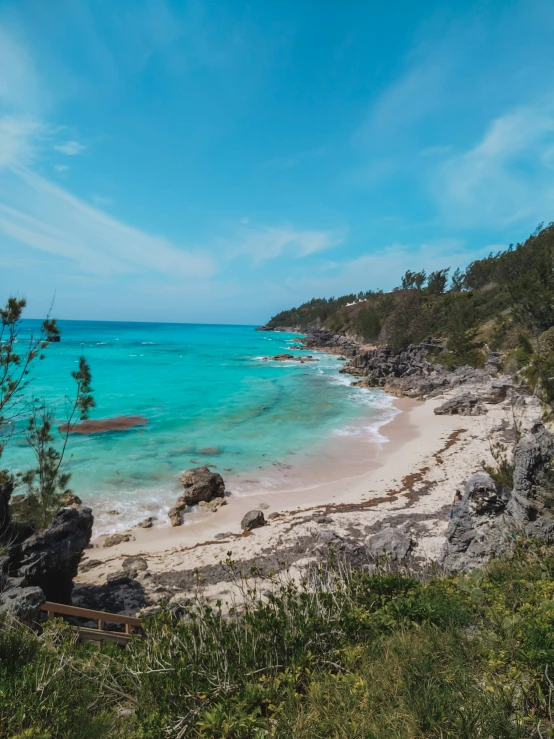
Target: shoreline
{"points": [[408, 480], [405, 480]]}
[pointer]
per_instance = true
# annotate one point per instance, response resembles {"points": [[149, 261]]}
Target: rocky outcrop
{"points": [[461, 405], [114, 539], [41, 566], [252, 520], [50, 559], [212, 505], [489, 517], [532, 499], [6, 490], [290, 358], [20, 601], [200, 484], [409, 372], [393, 544], [327, 341]]}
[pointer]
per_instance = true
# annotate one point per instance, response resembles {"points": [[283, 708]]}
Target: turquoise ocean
{"points": [[209, 398]]}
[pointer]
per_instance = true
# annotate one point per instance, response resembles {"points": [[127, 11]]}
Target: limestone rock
{"points": [[175, 516], [212, 505], [21, 602], [201, 484], [477, 529], [394, 544], [114, 539], [50, 558], [6, 490], [70, 499], [532, 498], [147, 523], [252, 520], [461, 405], [486, 521], [134, 563]]}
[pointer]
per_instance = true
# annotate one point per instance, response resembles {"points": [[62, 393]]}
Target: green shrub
{"points": [[352, 654]]}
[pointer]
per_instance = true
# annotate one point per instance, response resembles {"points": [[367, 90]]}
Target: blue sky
{"points": [[221, 161]]}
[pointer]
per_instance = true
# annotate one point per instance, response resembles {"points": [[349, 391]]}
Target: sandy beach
{"points": [[409, 480]]}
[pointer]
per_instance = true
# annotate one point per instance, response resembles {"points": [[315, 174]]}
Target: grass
{"points": [[347, 654]]}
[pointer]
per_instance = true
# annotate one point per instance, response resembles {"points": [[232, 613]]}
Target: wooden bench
{"points": [[99, 634]]}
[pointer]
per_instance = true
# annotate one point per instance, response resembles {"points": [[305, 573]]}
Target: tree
{"points": [[462, 333], [457, 283], [436, 282], [15, 365], [412, 280], [47, 482]]}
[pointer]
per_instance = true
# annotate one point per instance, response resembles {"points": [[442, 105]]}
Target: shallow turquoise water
{"points": [[201, 387]]}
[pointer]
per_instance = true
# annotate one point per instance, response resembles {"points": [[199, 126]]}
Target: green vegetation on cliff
{"points": [[378, 656], [493, 301]]}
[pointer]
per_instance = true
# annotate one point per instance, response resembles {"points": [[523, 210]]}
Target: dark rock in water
{"points": [[200, 484], [391, 543], [290, 358], [114, 539], [20, 601], [488, 518], [120, 423], [462, 405], [252, 520], [50, 559]]}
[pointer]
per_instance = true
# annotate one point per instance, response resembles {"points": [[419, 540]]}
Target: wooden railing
{"points": [[99, 634]]}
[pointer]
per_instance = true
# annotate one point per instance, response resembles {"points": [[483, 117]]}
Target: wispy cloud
{"points": [[504, 177], [264, 243], [54, 221], [60, 167], [18, 139], [20, 87], [70, 148]]}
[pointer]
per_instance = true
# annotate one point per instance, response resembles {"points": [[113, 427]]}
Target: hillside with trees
{"points": [[503, 302]]}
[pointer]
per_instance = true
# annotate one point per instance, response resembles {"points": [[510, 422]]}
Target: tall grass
{"points": [[345, 654]]}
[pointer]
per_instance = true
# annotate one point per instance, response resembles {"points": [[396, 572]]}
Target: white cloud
{"points": [[20, 88], [60, 167], [506, 176], [263, 243], [18, 136], [46, 217], [71, 148]]}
